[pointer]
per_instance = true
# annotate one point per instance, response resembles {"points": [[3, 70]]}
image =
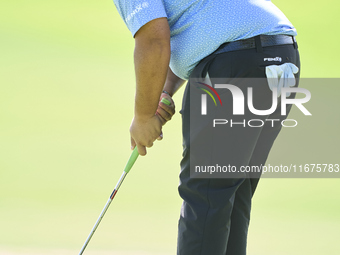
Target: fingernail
{"points": [[165, 101]]}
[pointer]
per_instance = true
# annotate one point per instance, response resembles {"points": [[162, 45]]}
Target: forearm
{"points": [[151, 57], [172, 83]]}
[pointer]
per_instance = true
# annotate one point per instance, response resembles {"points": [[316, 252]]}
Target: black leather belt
{"points": [[257, 42]]}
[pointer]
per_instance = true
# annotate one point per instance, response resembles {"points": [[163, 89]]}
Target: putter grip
{"points": [[165, 101], [132, 160]]}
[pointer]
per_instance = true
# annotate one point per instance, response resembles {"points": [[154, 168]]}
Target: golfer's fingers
{"points": [[160, 137], [141, 150], [170, 109], [149, 145], [164, 114], [133, 143], [163, 121]]}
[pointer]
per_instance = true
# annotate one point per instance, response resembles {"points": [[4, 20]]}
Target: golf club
{"points": [[129, 164]]}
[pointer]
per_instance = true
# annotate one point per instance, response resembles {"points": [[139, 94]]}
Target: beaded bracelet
{"points": [[166, 92]]}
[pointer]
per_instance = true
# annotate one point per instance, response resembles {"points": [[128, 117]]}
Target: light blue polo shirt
{"points": [[199, 27]]}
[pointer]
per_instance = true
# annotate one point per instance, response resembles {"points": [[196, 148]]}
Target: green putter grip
{"points": [[165, 101], [133, 157]]}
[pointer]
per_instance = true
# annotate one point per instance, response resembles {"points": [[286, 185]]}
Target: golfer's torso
{"points": [[198, 28]]}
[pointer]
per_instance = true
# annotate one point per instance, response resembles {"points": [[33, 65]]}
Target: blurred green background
{"points": [[66, 102]]}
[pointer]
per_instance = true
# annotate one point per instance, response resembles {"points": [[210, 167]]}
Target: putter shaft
{"points": [[128, 166]]}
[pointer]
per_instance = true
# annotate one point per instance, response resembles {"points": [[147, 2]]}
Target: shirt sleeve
{"points": [[136, 13]]}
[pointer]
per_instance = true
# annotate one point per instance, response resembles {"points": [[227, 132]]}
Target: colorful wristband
{"points": [[166, 92]]}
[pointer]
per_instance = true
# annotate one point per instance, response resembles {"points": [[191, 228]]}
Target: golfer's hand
{"points": [[144, 132], [165, 112]]}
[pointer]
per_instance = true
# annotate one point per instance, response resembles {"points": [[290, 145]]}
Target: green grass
{"points": [[66, 102]]}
